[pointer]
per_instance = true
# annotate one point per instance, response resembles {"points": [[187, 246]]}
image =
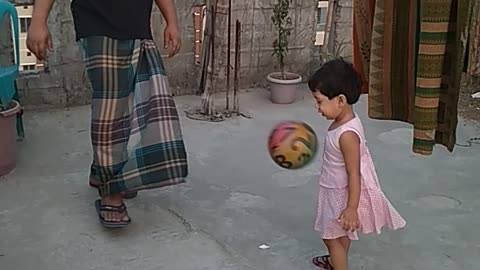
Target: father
{"points": [[135, 129]]}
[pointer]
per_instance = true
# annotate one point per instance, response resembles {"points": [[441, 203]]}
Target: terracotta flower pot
{"points": [[8, 153], [283, 91]]}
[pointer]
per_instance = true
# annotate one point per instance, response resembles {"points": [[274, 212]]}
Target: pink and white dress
{"points": [[374, 211]]}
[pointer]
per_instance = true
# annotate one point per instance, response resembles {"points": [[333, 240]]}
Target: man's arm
{"points": [[41, 9], [167, 7], [171, 36], [38, 38]]}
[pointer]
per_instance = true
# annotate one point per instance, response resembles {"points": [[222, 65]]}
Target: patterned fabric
{"points": [[374, 210], [433, 38], [362, 37], [391, 77], [374, 213], [412, 62], [135, 128]]}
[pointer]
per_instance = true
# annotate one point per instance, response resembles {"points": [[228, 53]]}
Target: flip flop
{"points": [[322, 262], [108, 208]]}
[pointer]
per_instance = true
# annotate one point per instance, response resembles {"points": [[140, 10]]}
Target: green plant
{"points": [[283, 25], [336, 52]]}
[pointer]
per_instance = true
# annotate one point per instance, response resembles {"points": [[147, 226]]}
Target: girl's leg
{"points": [[346, 243], [338, 250]]}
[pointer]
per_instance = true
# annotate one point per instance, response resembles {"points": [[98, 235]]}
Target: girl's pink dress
{"points": [[374, 211]]}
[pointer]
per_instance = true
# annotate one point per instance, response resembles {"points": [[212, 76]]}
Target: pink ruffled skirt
{"points": [[374, 212]]}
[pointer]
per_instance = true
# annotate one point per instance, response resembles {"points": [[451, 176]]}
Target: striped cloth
{"points": [[411, 54], [135, 129], [433, 38]]}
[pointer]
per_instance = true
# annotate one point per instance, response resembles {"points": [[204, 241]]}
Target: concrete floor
{"points": [[236, 199]]}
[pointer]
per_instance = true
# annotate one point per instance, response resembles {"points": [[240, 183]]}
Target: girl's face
{"points": [[329, 108]]}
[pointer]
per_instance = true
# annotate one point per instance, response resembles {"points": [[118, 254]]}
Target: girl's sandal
{"points": [[122, 210], [322, 262]]}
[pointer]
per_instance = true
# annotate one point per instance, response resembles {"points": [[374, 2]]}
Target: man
{"points": [[135, 129]]}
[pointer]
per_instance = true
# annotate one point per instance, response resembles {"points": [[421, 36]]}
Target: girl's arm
{"points": [[350, 147], [171, 36]]}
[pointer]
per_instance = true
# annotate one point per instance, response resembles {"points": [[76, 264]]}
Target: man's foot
{"points": [[129, 194], [112, 212], [125, 195]]}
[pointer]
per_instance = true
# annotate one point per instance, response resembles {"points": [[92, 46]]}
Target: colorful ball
{"points": [[292, 145]]}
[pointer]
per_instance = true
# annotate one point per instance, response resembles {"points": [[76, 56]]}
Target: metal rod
{"points": [[227, 105], [237, 66], [205, 52], [212, 74]]}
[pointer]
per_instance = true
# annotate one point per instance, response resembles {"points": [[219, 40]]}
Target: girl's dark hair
{"points": [[337, 77]]}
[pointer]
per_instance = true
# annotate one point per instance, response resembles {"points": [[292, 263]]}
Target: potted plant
{"points": [[283, 85], [8, 137]]}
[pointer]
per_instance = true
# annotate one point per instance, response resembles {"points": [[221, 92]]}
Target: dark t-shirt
{"points": [[117, 19]]}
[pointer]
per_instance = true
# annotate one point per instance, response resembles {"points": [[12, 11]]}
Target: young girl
{"points": [[350, 198]]}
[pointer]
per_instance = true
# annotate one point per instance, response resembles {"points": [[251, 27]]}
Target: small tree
{"points": [[283, 25]]}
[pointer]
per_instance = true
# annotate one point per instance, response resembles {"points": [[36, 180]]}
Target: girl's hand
{"points": [[172, 40], [349, 220]]}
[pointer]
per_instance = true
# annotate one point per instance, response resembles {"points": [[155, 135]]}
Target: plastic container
{"points": [[8, 149]]}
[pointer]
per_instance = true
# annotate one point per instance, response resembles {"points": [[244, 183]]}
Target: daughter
{"points": [[350, 198]]}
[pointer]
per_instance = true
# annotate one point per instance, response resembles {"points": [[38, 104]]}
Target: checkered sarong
{"points": [[135, 130]]}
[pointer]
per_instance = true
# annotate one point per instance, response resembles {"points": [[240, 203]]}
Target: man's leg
{"points": [[110, 73]]}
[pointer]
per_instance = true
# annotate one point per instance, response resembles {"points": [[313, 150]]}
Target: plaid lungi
{"points": [[135, 129]]}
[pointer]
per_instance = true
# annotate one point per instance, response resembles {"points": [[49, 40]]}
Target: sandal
{"points": [[126, 195], [322, 262], [122, 209]]}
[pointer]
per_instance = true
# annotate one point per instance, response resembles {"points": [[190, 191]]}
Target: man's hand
{"points": [[39, 39], [172, 40]]}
